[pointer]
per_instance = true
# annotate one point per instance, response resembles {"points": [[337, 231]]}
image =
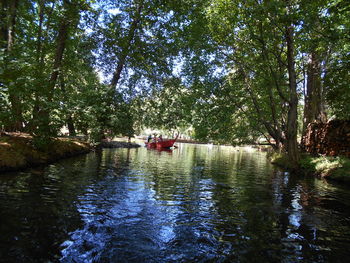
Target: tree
{"points": [[262, 41], [231, 71], [9, 10], [168, 108], [336, 74], [68, 21]]}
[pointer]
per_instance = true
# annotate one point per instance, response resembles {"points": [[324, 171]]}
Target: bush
{"points": [[337, 168], [280, 159]]}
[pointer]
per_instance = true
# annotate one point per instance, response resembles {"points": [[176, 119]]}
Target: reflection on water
{"points": [[195, 203]]}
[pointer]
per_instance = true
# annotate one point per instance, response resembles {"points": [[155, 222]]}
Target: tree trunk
{"points": [[292, 144], [127, 45], [12, 13], [39, 67], [41, 6], [125, 50], [71, 127], [48, 92], [3, 24], [314, 105], [69, 120], [274, 131], [61, 45], [8, 33]]}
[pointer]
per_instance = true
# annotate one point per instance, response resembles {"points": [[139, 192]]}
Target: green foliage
{"points": [[4, 112], [324, 165], [168, 108], [280, 159], [250, 36], [42, 142], [217, 68], [337, 85], [337, 168]]}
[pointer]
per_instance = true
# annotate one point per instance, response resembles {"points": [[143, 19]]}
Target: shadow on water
{"points": [[192, 204]]}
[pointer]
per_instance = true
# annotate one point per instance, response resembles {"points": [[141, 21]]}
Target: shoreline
{"points": [[18, 152], [335, 168]]}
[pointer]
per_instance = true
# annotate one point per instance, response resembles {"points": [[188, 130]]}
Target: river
{"points": [[193, 204]]}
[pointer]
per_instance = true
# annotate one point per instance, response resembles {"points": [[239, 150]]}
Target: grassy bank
{"points": [[17, 151], [335, 168]]}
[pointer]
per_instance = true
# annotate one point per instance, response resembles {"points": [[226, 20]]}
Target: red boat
{"points": [[161, 144]]}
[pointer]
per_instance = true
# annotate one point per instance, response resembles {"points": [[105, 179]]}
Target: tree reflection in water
{"points": [[192, 204]]}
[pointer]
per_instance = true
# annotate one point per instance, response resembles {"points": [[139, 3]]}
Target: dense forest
{"points": [[223, 70]]}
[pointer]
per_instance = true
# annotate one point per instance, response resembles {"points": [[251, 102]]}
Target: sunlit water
{"points": [[192, 204]]}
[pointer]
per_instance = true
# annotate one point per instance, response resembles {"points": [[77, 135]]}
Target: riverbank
{"points": [[333, 168], [17, 151], [118, 144]]}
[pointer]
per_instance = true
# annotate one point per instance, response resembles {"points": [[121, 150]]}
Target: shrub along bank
{"points": [[334, 168]]}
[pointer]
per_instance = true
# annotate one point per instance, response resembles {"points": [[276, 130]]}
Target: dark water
{"points": [[194, 204]]}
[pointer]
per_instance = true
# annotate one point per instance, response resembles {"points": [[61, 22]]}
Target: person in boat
{"points": [[149, 139], [160, 138], [155, 138]]}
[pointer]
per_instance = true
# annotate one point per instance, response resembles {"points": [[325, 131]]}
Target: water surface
{"points": [[192, 204]]}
